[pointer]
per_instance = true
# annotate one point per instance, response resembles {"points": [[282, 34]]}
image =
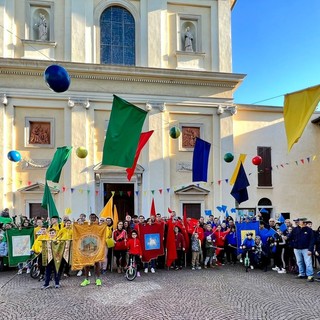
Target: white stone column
{"points": [[79, 178], [8, 32], [156, 163], [78, 32], [157, 34]]}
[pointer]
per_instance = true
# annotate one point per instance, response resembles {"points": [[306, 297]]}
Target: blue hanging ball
{"points": [[14, 156], [174, 132], [57, 78]]}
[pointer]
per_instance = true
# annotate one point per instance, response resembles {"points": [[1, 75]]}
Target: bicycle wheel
{"points": [[35, 271], [131, 273]]}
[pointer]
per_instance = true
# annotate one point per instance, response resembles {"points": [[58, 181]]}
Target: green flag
{"points": [[123, 134], [20, 242], [48, 203], [59, 159]]}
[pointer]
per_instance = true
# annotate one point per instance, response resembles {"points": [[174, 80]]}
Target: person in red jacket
{"points": [[134, 249], [220, 240], [180, 247]]}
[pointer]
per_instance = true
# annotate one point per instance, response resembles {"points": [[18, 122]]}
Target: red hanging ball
{"points": [[257, 160]]}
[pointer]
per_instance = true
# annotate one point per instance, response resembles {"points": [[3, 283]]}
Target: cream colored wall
{"points": [[77, 31], [294, 185]]}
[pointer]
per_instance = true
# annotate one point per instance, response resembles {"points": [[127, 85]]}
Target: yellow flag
{"points": [[241, 159], [106, 212], [88, 244], [115, 217], [298, 108]]}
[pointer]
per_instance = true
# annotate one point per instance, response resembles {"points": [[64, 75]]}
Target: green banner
{"points": [[19, 245]]}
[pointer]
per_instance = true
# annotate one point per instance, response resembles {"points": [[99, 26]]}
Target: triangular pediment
{"points": [[37, 187], [100, 168], [192, 190]]}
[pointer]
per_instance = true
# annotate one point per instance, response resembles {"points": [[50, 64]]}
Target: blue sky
{"points": [[277, 44]]}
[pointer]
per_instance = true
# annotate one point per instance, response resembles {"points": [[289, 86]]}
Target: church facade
{"points": [[170, 58]]}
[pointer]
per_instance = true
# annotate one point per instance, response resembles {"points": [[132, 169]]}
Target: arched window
{"points": [[117, 34]]}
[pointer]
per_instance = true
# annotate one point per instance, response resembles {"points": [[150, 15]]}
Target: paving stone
{"points": [[227, 293]]}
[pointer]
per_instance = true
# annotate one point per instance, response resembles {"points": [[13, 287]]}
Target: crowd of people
{"points": [[287, 247]]}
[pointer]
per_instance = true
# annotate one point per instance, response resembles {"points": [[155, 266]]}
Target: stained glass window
{"points": [[117, 34]]}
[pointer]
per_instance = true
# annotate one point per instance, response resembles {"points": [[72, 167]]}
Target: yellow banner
{"points": [[298, 108], [88, 245]]}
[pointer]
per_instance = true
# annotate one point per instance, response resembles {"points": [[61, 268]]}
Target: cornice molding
{"points": [[35, 68]]}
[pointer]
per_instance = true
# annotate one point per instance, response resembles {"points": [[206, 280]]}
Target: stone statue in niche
{"points": [[42, 27], [188, 40]]}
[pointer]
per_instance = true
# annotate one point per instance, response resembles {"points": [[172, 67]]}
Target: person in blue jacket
{"points": [[248, 246], [302, 239]]}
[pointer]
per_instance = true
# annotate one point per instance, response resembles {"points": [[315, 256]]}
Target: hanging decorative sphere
{"points": [[257, 160], [174, 132], [228, 157], [81, 152], [57, 78], [14, 156]]}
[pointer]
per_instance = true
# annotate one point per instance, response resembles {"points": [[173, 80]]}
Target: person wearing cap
{"points": [[302, 239]]}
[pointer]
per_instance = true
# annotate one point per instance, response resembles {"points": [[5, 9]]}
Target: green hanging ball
{"points": [[228, 157], [174, 132]]}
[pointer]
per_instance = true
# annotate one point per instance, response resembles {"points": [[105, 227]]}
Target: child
{"points": [[279, 243], [231, 246], [51, 267], [195, 248], [260, 254], [3, 250], [210, 249], [248, 246], [134, 249], [180, 247]]}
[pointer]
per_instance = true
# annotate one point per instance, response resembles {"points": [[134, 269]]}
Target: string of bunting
{"points": [[161, 191]]}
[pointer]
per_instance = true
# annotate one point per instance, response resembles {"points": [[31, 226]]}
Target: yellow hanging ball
{"points": [[81, 152]]}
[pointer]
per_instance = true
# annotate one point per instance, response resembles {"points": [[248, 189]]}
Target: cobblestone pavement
{"points": [[227, 292]]}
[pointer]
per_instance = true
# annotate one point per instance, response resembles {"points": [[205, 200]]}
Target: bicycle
{"points": [[247, 260], [131, 272]]}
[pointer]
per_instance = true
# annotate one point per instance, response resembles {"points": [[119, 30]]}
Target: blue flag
{"points": [[281, 218], [283, 227], [243, 228], [239, 190], [200, 160]]}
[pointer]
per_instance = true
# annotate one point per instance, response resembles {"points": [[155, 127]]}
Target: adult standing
{"points": [[303, 242]]}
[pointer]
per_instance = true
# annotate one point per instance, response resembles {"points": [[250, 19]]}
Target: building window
{"points": [[117, 34], [193, 210], [264, 169]]}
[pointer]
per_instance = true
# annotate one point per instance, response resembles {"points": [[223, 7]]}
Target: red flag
{"points": [[144, 137], [153, 209], [171, 244], [151, 238], [169, 210]]}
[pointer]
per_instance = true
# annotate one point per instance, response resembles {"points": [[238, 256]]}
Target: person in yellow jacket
{"points": [[66, 234], [37, 229], [37, 249], [109, 246], [54, 223]]}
